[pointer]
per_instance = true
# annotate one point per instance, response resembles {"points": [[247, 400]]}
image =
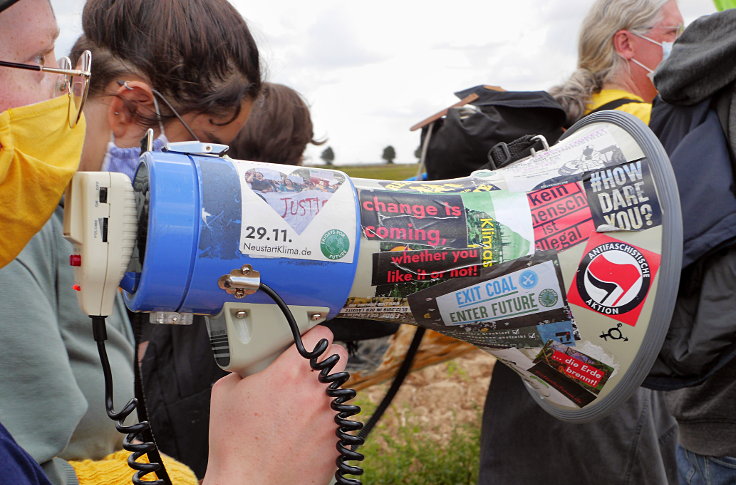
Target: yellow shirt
{"points": [[114, 470], [641, 110]]}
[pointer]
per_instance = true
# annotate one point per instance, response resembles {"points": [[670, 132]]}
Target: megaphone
{"points": [[564, 265]]}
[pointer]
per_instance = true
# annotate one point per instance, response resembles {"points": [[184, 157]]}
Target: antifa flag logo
{"points": [[613, 278]]}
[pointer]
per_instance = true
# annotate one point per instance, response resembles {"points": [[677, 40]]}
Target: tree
{"points": [[389, 154], [328, 156], [418, 152]]}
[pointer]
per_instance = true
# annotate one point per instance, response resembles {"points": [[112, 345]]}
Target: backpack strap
{"points": [[615, 104], [502, 154]]}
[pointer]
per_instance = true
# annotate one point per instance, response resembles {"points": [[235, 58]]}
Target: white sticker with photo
{"points": [[377, 308], [520, 363], [514, 296], [586, 150], [296, 212]]}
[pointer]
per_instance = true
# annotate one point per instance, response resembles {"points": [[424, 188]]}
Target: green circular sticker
{"points": [[547, 297], [334, 244]]}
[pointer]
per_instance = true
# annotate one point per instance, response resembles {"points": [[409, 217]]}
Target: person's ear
{"points": [[622, 44], [131, 101]]}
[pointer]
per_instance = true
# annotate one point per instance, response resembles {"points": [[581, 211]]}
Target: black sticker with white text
{"points": [[623, 198]]}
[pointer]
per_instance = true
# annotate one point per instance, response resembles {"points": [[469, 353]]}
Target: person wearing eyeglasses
{"points": [[177, 378], [621, 43], [40, 146], [189, 69], [34, 98]]}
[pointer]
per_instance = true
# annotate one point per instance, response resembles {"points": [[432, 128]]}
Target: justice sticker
{"points": [[292, 212], [614, 278], [623, 198]]}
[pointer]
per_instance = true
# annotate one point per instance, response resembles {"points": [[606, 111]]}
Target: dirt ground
{"points": [[439, 396]]}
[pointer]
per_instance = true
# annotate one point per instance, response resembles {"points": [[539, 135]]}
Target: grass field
{"points": [[382, 172]]}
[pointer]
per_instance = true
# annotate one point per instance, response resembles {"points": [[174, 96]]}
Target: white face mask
{"points": [[666, 46], [666, 50]]}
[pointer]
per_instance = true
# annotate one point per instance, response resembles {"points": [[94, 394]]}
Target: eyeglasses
{"points": [[675, 30], [168, 105], [72, 82]]}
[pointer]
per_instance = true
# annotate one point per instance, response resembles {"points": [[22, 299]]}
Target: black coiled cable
{"points": [[346, 441], [135, 431]]}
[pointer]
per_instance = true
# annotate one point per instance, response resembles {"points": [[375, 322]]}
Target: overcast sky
{"points": [[370, 70]]}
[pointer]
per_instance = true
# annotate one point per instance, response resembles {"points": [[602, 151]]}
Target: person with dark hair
{"points": [[192, 74], [178, 368], [278, 129], [257, 182], [188, 69]]}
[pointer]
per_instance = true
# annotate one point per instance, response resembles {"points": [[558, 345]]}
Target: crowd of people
{"points": [[144, 75], [217, 428]]}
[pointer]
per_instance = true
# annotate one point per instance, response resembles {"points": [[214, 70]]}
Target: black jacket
{"points": [[702, 336], [696, 121]]}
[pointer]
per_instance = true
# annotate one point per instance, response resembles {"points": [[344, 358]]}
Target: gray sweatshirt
{"points": [[51, 382]]}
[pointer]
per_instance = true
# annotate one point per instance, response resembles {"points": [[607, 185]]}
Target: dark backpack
{"points": [[702, 335], [460, 142]]}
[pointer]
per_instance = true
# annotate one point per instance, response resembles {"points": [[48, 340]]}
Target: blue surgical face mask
{"points": [[125, 160]]}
